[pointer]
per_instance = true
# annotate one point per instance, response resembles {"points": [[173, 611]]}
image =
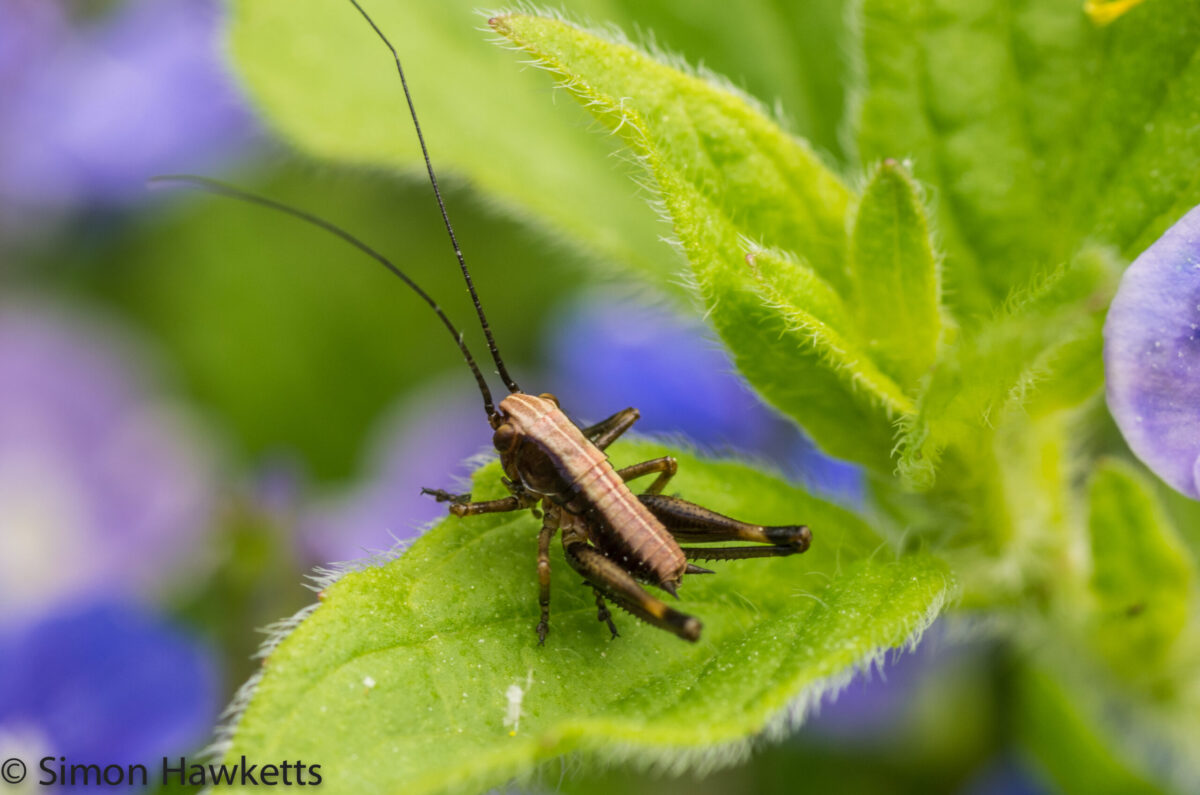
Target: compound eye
{"points": [[550, 397], [505, 437]]}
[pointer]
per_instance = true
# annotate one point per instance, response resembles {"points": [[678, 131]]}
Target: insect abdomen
{"points": [[636, 531]]}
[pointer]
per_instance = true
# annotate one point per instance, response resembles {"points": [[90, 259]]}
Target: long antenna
{"points": [[462, 263], [222, 189]]}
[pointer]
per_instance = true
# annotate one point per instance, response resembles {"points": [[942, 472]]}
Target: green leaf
{"points": [[446, 629], [897, 290], [1142, 576], [972, 91], [1136, 163], [773, 186], [1037, 129], [325, 82], [731, 179], [991, 372], [794, 53]]}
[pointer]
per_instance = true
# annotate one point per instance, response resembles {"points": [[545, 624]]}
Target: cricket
{"points": [[619, 541]]}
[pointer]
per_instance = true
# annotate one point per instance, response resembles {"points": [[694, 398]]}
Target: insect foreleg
{"points": [[666, 467], [619, 587], [441, 495], [460, 504], [687, 521], [549, 528], [606, 431]]}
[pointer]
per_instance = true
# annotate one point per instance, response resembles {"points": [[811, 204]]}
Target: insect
{"points": [[618, 541]]}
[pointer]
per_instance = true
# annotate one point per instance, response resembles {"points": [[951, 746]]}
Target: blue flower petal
{"points": [[1152, 356], [106, 683]]}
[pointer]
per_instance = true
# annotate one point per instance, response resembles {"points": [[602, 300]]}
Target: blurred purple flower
{"points": [[104, 684], [1152, 356], [103, 491], [610, 352], [878, 703], [426, 442], [91, 109]]}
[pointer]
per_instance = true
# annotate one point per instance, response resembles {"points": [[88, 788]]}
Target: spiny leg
{"points": [[666, 467], [602, 613], [619, 587], [687, 521], [549, 528], [606, 431]]}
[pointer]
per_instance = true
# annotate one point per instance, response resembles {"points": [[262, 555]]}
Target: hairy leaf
{"points": [[398, 680], [897, 290], [772, 186], [727, 176], [1032, 345]]}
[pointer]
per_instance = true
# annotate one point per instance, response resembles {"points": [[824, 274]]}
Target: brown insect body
{"points": [[542, 440]]}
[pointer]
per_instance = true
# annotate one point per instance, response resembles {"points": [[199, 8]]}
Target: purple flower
{"points": [[89, 111], [104, 490], [609, 352], [1152, 356], [104, 684]]}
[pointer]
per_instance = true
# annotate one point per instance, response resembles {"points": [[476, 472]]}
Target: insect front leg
{"points": [[620, 588], [687, 521], [461, 505], [666, 467], [607, 431], [549, 528]]}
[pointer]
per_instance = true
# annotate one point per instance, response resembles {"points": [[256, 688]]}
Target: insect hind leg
{"points": [[687, 521], [619, 587]]}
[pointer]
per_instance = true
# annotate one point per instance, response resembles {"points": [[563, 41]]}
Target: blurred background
{"points": [[200, 401]]}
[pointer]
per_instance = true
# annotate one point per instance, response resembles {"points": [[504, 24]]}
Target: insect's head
{"points": [[524, 458]]}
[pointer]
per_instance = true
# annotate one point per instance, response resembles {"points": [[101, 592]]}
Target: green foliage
{"points": [[1065, 744], [750, 182], [994, 369], [1142, 578], [897, 290], [446, 629], [941, 326]]}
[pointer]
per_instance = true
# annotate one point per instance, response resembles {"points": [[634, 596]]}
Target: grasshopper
{"points": [[615, 539]]}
